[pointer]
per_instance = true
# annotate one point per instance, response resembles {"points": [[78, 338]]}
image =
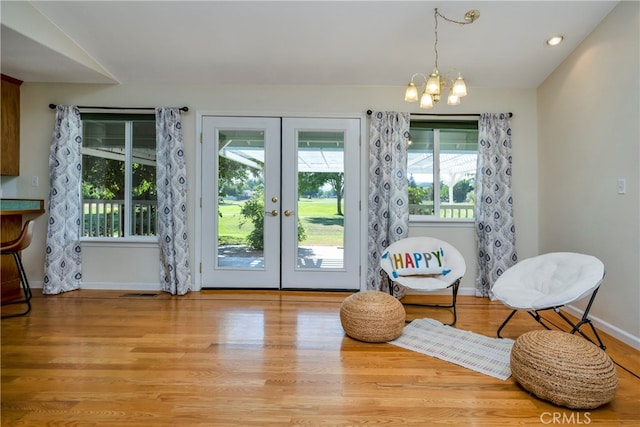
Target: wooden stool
{"points": [[14, 247], [372, 316], [564, 369]]}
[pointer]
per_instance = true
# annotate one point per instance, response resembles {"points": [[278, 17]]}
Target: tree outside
{"points": [[310, 184], [237, 181]]}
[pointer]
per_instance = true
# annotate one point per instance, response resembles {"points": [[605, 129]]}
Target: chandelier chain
{"points": [[470, 17], [435, 44]]}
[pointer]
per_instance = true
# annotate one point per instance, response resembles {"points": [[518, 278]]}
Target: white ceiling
{"points": [[288, 42]]}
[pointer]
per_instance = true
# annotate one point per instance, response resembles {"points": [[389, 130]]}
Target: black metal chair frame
{"points": [[575, 326], [24, 282], [454, 296]]}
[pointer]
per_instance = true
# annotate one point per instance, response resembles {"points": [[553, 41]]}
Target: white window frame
{"points": [[435, 218], [128, 187]]}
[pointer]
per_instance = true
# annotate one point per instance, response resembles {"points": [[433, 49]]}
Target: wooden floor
{"points": [[243, 358]]}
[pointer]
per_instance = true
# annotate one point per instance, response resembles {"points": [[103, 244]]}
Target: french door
{"points": [[280, 203]]}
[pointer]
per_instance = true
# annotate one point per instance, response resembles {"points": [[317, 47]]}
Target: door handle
{"points": [[272, 213], [288, 212]]}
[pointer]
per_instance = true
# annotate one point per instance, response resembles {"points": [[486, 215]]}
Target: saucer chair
{"points": [[549, 282], [424, 264]]}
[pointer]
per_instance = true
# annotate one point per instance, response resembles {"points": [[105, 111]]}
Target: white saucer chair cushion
{"points": [[423, 263], [549, 280]]}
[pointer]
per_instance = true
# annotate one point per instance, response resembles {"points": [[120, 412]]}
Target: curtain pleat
{"points": [[495, 228], [175, 273], [388, 189], [63, 255]]}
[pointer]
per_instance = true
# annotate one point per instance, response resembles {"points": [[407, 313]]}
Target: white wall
{"points": [[135, 266], [588, 112]]}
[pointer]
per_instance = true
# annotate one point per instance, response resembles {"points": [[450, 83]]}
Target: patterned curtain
{"points": [[63, 256], [388, 190], [494, 204], [171, 180]]}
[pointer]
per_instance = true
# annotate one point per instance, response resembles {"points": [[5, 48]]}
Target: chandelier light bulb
{"points": [[411, 94], [433, 84], [459, 87], [426, 102], [453, 99]]}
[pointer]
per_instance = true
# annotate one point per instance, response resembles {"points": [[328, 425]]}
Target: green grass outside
{"points": [[318, 217]]}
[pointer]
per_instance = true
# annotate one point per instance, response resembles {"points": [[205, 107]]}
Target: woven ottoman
{"points": [[372, 316], [564, 369]]}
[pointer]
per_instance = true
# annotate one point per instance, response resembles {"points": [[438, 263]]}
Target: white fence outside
{"points": [[447, 210], [106, 218]]}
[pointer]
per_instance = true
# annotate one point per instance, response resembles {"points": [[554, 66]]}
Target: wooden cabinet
{"points": [[10, 133]]}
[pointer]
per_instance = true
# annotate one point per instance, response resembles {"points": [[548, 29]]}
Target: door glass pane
{"points": [[240, 230], [321, 200]]}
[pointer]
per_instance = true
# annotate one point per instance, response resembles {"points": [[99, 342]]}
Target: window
{"points": [[119, 196], [442, 169]]}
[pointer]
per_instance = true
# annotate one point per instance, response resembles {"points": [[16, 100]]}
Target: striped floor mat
{"points": [[489, 356]]}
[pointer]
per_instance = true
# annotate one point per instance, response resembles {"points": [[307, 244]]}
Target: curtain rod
{"points": [[53, 107], [369, 112]]}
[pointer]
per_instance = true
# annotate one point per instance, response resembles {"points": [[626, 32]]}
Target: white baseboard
{"points": [[469, 292], [608, 328], [110, 286]]}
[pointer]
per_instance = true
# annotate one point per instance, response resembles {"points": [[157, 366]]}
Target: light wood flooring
{"points": [[259, 358]]}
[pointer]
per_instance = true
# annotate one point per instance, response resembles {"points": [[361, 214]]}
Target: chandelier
{"points": [[436, 82]]}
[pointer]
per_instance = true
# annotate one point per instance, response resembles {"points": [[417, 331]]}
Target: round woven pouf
{"points": [[564, 369], [372, 316]]}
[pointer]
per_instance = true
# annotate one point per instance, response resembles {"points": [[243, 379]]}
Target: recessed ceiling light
{"points": [[555, 40]]}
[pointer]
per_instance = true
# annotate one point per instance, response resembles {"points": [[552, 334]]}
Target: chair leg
{"points": [[454, 296], [26, 289], [575, 326], [505, 323], [585, 320], [389, 283], [536, 316]]}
